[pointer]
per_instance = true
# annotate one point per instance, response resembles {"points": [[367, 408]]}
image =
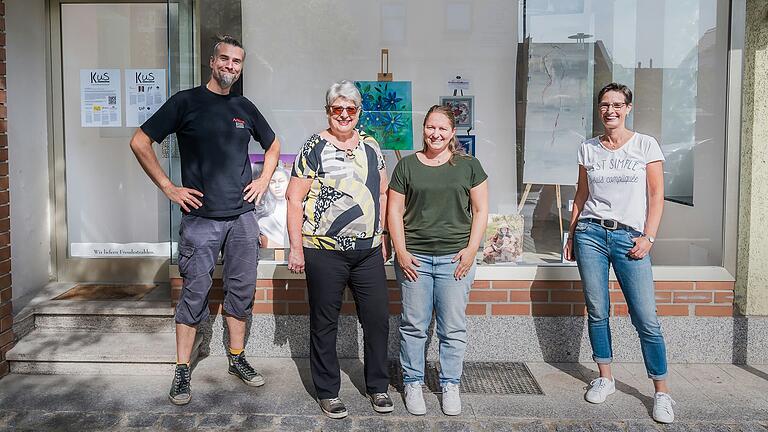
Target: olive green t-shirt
{"points": [[438, 213]]}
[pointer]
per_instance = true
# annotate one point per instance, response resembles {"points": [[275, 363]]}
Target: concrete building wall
{"points": [[752, 272], [27, 129], [6, 307]]}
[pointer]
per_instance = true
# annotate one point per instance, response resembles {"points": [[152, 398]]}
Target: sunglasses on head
{"points": [[337, 110]]}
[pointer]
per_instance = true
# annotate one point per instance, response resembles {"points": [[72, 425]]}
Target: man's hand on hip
{"points": [[185, 197]]}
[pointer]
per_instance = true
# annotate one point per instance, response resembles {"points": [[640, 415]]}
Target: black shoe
{"points": [[181, 390], [381, 402], [239, 366], [333, 408]]}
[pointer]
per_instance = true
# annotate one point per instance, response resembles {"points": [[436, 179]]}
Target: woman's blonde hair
{"points": [[452, 144]]}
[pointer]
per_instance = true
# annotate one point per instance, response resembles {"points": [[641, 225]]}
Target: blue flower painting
{"points": [[387, 113]]}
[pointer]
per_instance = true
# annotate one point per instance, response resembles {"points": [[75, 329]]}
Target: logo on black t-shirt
{"points": [[239, 123]]}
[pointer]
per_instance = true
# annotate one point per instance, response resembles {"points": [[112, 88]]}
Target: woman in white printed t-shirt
{"points": [[616, 214]]}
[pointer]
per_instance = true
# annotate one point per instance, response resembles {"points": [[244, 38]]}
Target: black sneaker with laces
{"points": [[181, 390], [333, 408], [240, 367], [381, 402]]}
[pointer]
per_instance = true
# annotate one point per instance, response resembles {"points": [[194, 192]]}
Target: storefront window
{"points": [[526, 73]]}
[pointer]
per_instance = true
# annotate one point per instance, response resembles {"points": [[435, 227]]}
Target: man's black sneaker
{"points": [[240, 367], [181, 391], [381, 402], [333, 408]]}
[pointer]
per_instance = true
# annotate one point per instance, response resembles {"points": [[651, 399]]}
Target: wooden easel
{"points": [[558, 198], [385, 75]]}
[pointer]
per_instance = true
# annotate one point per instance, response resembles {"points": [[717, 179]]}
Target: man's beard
{"points": [[226, 80]]}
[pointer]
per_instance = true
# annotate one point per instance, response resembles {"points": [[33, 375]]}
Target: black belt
{"points": [[611, 224]]}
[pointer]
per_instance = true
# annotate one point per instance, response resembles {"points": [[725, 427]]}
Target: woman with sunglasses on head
{"points": [[616, 214], [437, 212], [336, 202]]}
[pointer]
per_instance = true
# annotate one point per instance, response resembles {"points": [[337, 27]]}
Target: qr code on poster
{"points": [[112, 100]]}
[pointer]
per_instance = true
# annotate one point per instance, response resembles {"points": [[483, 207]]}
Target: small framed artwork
{"points": [[463, 109], [466, 143]]}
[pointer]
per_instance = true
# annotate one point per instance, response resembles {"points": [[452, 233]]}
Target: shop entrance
{"points": [[113, 64]]}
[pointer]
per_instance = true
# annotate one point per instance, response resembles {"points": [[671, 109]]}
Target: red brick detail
{"points": [[6, 323], [620, 310], [6, 338], [715, 286], [393, 295], [545, 309], [714, 311], [516, 284], [617, 297], [674, 286], [510, 309], [724, 297], [6, 288], [487, 296], [691, 297], [481, 284], [537, 284], [477, 309], [520, 296], [566, 296], [663, 297], [672, 310], [579, 309], [271, 283], [298, 309]]}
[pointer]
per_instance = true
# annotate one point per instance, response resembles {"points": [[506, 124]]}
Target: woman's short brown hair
{"points": [[621, 88]]}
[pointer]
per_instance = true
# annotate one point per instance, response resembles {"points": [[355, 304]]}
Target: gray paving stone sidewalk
{"points": [[709, 398]]}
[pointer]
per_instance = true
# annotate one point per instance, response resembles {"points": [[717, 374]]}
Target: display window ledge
{"points": [[275, 270]]}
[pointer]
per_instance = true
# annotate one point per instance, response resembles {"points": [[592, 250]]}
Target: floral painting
{"points": [[387, 114]]}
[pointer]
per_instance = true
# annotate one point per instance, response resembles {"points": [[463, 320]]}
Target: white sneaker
{"points": [[414, 399], [662, 408], [599, 389], [451, 399]]}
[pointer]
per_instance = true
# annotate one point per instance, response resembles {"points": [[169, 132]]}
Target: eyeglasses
{"points": [[337, 110], [616, 106]]}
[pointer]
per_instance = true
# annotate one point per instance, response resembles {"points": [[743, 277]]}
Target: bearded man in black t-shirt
{"points": [[213, 128]]}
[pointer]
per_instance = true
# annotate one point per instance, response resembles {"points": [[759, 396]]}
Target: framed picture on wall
{"points": [[463, 109], [466, 143]]}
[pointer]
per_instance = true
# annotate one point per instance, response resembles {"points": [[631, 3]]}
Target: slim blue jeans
{"points": [[597, 248], [434, 290]]}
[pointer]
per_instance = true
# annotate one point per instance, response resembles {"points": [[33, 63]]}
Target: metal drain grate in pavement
{"points": [[478, 378]]}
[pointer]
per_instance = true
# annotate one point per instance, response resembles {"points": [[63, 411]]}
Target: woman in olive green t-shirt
{"points": [[437, 212]]}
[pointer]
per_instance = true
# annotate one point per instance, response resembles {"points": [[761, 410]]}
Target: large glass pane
{"points": [[673, 56], [115, 60]]}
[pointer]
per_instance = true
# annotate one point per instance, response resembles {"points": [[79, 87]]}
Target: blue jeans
{"points": [[435, 289], [596, 248]]}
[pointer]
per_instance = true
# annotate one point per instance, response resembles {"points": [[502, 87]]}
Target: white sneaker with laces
{"points": [[600, 389], [662, 408], [414, 399], [451, 399]]}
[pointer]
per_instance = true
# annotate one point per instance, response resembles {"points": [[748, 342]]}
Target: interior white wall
{"points": [[27, 147], [297, 50]]}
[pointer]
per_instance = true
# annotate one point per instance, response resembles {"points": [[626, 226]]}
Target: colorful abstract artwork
{"points": [[387, 113]]}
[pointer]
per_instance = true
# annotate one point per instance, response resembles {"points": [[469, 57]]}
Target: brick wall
{"points": [[6, 309], [488, 298]]}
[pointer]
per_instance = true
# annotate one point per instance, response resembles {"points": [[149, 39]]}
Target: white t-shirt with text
{"points": [[617, 179]]}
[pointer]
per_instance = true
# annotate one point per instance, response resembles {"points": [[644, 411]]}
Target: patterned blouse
{"points": [[341, 210]]}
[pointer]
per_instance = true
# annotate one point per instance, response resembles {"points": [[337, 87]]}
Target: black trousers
{"points": [[328, 273]]}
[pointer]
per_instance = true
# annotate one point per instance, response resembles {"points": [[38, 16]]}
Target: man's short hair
{"points": [[226, 39]]}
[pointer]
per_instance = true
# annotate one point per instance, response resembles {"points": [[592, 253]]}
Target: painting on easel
{"points": [[503, 239], [387, 113]]}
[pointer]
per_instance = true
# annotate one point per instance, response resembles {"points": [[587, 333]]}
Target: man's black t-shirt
{"points": [[213, 132]]}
